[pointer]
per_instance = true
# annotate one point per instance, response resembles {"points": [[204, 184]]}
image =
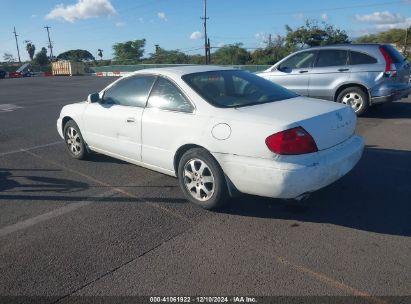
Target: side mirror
{"points": [[95, 97]]}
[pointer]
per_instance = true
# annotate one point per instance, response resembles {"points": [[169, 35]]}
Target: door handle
{"points": [[343, 70], [131, 119], [304, 71]]}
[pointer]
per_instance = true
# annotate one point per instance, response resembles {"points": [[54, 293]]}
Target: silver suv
{"points": [[360, 75]]}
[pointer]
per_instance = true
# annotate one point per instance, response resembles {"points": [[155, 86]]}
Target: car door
{"points": [[294, 72], [114, 124], [168, 118], [329, 72]]}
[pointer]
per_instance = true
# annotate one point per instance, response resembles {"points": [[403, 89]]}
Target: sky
{"points": [[176, 24]]}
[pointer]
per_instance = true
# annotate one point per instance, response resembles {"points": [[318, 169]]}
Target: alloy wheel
{"points": [[199, 179]]}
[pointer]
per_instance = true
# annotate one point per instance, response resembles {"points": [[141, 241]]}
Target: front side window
{"points": [[235, 88], [328, 58], [130, 91], [299, 61], [166, 96]]}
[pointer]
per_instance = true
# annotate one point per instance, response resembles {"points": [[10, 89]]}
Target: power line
{"points": [[311, 10], [50, 45], [17, 44]]}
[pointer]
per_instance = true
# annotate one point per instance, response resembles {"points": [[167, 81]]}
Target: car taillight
{"points": [[291, 142], [388, 62]]}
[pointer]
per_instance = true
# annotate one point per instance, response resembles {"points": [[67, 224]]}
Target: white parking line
{"points": [[52, 214], [9, 107], [32, 148]]}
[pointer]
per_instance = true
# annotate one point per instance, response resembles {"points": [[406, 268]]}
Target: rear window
{"points": [[394, 54], [235, 88], [361, 58]]}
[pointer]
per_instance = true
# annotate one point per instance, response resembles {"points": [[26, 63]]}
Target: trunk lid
{"points": [[328, 123]]}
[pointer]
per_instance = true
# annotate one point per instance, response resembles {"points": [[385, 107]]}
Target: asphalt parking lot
{"points": [[104, 227]]}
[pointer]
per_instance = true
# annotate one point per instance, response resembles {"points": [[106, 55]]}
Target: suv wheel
{"points": [[354, 97]]}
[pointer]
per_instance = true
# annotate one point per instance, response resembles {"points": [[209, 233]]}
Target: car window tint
{"points": [[332, 58], [166, 96], [361, 58], [299, 61], [130, 91]]}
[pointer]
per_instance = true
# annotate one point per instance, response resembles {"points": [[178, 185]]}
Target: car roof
{"points": [[346, 46], [178, 71]]}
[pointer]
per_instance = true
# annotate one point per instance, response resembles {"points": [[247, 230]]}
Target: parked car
{"points": [[220, 131], [361, 75]]}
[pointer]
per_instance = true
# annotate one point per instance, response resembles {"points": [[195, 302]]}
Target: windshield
{"points": [[235, 88]]}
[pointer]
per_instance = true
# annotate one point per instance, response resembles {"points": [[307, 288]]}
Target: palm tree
{"points": [[100, 53], [30, 49]]}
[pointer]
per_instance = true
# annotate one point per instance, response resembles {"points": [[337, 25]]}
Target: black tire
{"points": [[74, 140], [201, 183], [356, 98]]}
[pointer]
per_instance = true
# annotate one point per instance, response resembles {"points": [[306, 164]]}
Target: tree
{"points": [[274, 51], [313, 34], [41, 57], [167, 56], [231, 54], [100, 54], [129, 51], [76, 55], [9, 57], [31, 48]]}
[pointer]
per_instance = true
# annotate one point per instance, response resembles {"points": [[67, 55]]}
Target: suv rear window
{"points": [[394, 54], [361, 58]]}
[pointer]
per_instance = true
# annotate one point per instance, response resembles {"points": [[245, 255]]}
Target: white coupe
{"points": [[220, 131]]}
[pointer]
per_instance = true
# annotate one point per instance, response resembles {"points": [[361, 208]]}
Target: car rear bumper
{"points": [[395, 94], [290, 176]]}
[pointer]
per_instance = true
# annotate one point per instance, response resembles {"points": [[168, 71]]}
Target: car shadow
{"points": [[375, 196], [24, 185], [393, 110]]}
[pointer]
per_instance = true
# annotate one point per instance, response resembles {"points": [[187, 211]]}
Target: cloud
{"points": [[120, 24], [83, 9], [196, 35], [141, 20], [380, 18], [384, 20], [324, 17], [162, 16]]}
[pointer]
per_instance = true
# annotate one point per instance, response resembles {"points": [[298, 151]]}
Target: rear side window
{"points": [[130, 91], [166, 96], [361, 58], [328, 58], [394, 54]]}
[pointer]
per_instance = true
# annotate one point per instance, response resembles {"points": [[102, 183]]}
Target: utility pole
{"points": [[50, 45], [206, 49], [17, 44], [209, 50]]}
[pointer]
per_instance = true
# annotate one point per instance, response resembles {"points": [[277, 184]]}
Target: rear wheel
{"points": [[74, 140], [354, 97], [201, 179]]}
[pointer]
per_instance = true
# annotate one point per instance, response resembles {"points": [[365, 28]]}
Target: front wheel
{"points": [[74, 140], [201, 179], [354, 97]]}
